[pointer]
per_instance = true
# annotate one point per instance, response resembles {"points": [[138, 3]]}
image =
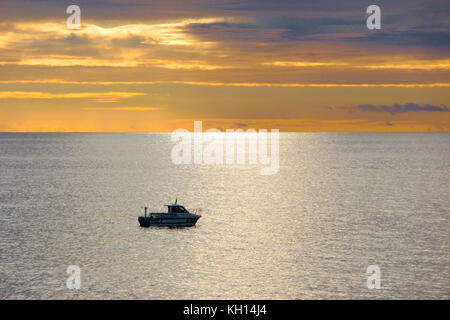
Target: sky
{"points": [[156, 66]]}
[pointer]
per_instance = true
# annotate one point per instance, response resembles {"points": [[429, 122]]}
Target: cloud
{"points": [[312, 125], [129, 45], [123, 109], [93, 96], [398, 108], [416, 36], [303, 64], [88, 62], [240, 43], [236, 84], [406, 65]]}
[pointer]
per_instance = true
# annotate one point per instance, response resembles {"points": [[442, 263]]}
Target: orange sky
{"points": [[296, 68]]}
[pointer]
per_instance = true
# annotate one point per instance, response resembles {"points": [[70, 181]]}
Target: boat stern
{"points": [[144, 221]]}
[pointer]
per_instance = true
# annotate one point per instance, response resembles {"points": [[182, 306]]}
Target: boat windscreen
{"points": [[178, 209]]}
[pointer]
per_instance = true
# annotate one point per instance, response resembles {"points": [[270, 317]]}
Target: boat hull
{"points": [[175, 222]]}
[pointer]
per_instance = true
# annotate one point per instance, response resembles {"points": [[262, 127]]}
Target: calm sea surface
{"points": [[339, 203]]}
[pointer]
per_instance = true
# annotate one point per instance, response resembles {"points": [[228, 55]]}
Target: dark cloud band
{"points": [[399, 108]]}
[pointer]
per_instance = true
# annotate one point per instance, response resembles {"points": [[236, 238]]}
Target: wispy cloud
{"points": [[303, 64], [411, 65], [93, 96], [399, 108], [90, 62], [402, 65], [123, 109], [236, 84]]}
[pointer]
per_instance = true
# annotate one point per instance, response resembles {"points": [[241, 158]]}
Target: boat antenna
{"points": [[176, 199]]}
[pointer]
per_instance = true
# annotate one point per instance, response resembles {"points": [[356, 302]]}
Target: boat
{"points": [[176, 216]]}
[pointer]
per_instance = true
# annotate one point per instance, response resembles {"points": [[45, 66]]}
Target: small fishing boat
{"points": [[176, 216]]}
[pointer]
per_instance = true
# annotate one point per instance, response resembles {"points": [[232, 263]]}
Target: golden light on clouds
{"points": [[235, 84], [303, 64], [124, 109], [130, 74], [70, 62], [162, 33], [407, 65], [88, 62], [412, 65], [93, 96]]}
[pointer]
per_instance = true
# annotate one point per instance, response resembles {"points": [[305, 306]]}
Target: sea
{"points": [[346, 216]]}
